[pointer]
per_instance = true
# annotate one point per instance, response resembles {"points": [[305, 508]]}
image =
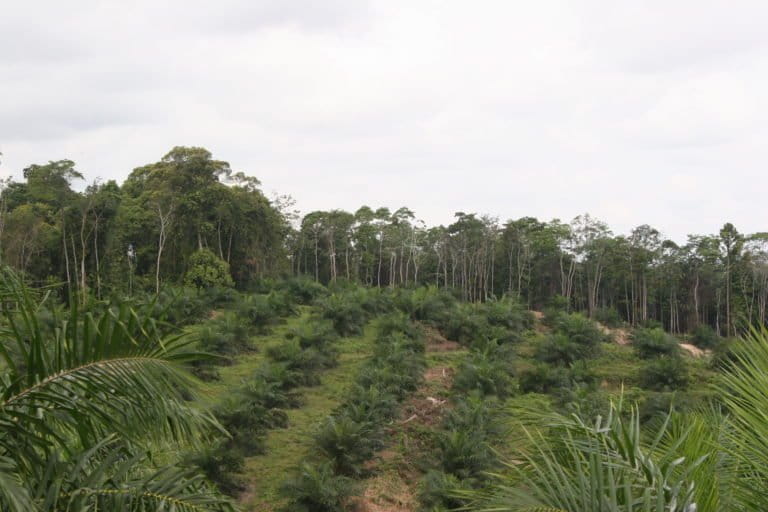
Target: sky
{"points": [[648, 112]]}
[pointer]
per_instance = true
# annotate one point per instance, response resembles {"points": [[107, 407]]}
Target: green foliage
{"points": [[346, 313], [224, 335], [304, 363], [654, 343], [316, 488], [508, 314], [314, 333], [207, 270], [439, 491], [466, 325], [346, 443], [303, 290], [705, 337], [574, 337], [257, 311], [580, 330], [427, 304], [665, 373], [543, 378], [81, 407], [608, 316], [486, 373], [602, 465]]}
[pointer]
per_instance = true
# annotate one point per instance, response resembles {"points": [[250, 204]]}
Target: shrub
{"points": [[475, 413], [206, 270], [486, 374], [346, 443], [306, 363], [314, 333], [303, 290], [465, 454], [439, 490], [220, 466], [316, 488], [542, 378], [346, 314], [257, 312], [428, 304], [281, 303], [666, 373], [654, 343], [507, 314], [705, 337], [225, 335], [559, 349], [370, 404], [557, 306], [397, 323], [580, 330], [284, 377], [466, 325], [608, 316]]}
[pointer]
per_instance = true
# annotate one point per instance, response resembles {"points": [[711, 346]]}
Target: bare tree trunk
{"points": [[164, 219]]}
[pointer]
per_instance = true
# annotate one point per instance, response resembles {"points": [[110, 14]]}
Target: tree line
{"points": [[111, 238]]}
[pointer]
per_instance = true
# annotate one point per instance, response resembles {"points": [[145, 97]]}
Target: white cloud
{"points": [[637, 113]]}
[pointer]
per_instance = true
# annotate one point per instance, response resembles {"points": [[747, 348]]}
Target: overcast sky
{"points": [[637, 112]]}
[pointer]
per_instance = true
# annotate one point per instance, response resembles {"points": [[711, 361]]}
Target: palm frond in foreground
{"points": [[82, 401]]}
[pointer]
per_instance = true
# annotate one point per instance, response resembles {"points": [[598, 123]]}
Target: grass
{"points": [[246, 364], [286, 447]]}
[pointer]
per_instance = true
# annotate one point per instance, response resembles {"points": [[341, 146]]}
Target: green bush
{"points": [[439, 490], [542, 378], [346, 314], [608, 316], [580, 330], [483, 372], [220, 466], [224, 335], [465, 454], [466, 325], [346, 443], [508, 314], [371, 404], [428, 304], [315, 487], [207, 270], [557, 306], [650, 343], [303, 290], [665, 373], [257, 312], [705, 337], [397, 323], [281, 303], [314, 333], [306, 363]]}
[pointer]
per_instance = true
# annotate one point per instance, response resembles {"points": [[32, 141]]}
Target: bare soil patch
{"points": [[693, 350], [436, 342]]}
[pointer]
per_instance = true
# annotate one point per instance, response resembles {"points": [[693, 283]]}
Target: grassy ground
{"points": [[246, 364], [286, 447]]}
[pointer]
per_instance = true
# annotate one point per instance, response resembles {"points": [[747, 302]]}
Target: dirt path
{"points": [[393, 488]]}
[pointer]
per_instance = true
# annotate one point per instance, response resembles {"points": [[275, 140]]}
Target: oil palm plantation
{"points": [[92, 409], [710, 461]]}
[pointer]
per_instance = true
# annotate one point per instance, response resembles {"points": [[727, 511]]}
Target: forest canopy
{"points": [[111, 238]]}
